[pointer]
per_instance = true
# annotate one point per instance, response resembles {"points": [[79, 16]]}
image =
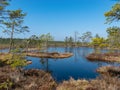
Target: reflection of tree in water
{"points": [[45, 63], [42, 61], [77, 51], [76, 54], [83, 51], [71, 49], [66, 49], [74, 50]]}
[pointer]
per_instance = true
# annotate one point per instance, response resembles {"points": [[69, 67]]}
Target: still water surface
{"points": [[77, 66]]}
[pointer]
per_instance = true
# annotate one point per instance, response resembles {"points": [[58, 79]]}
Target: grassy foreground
{"points": [[25, 79], [101, 83]]}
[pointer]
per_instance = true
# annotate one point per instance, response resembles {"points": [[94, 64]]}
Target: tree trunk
{"points": [[46, 45], [11, 39], [27, 47]]}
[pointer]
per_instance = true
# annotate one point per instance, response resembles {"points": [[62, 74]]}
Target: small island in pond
{"points": [[107, 57], [49, 55]]}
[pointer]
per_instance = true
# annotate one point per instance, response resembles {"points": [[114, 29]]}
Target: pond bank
{"points": [[33, 79], [111, 70], [101, 83], [107, 57]]}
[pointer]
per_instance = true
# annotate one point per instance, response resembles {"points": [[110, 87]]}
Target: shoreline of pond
{"points": [[35, 79], [49, 83]]}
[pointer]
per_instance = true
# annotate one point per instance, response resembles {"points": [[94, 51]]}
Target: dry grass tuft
{"points": [[74, 85], [101, 83], [111, 70], [106, 83]]}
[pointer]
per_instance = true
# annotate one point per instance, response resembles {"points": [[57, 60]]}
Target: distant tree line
{"points": [[12, 23], [111, 41]]}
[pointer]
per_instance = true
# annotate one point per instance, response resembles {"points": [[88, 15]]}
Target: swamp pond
{"points": [[77, 66]]}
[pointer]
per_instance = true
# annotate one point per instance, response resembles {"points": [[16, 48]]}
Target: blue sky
{"points": [[63, 17]]}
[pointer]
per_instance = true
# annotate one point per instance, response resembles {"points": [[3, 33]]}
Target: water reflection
{"points": [[45, 64], [4, 50], [76, 66]]}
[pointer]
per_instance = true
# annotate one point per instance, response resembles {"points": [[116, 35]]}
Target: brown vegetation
{"points": [[40, 80], [50, 55], [111, 70], [101, 83], [14, 79], [29, 62], [26, 79], [74, 85], [30, 49], [106, 82], [4, 46], [108, 57]]}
